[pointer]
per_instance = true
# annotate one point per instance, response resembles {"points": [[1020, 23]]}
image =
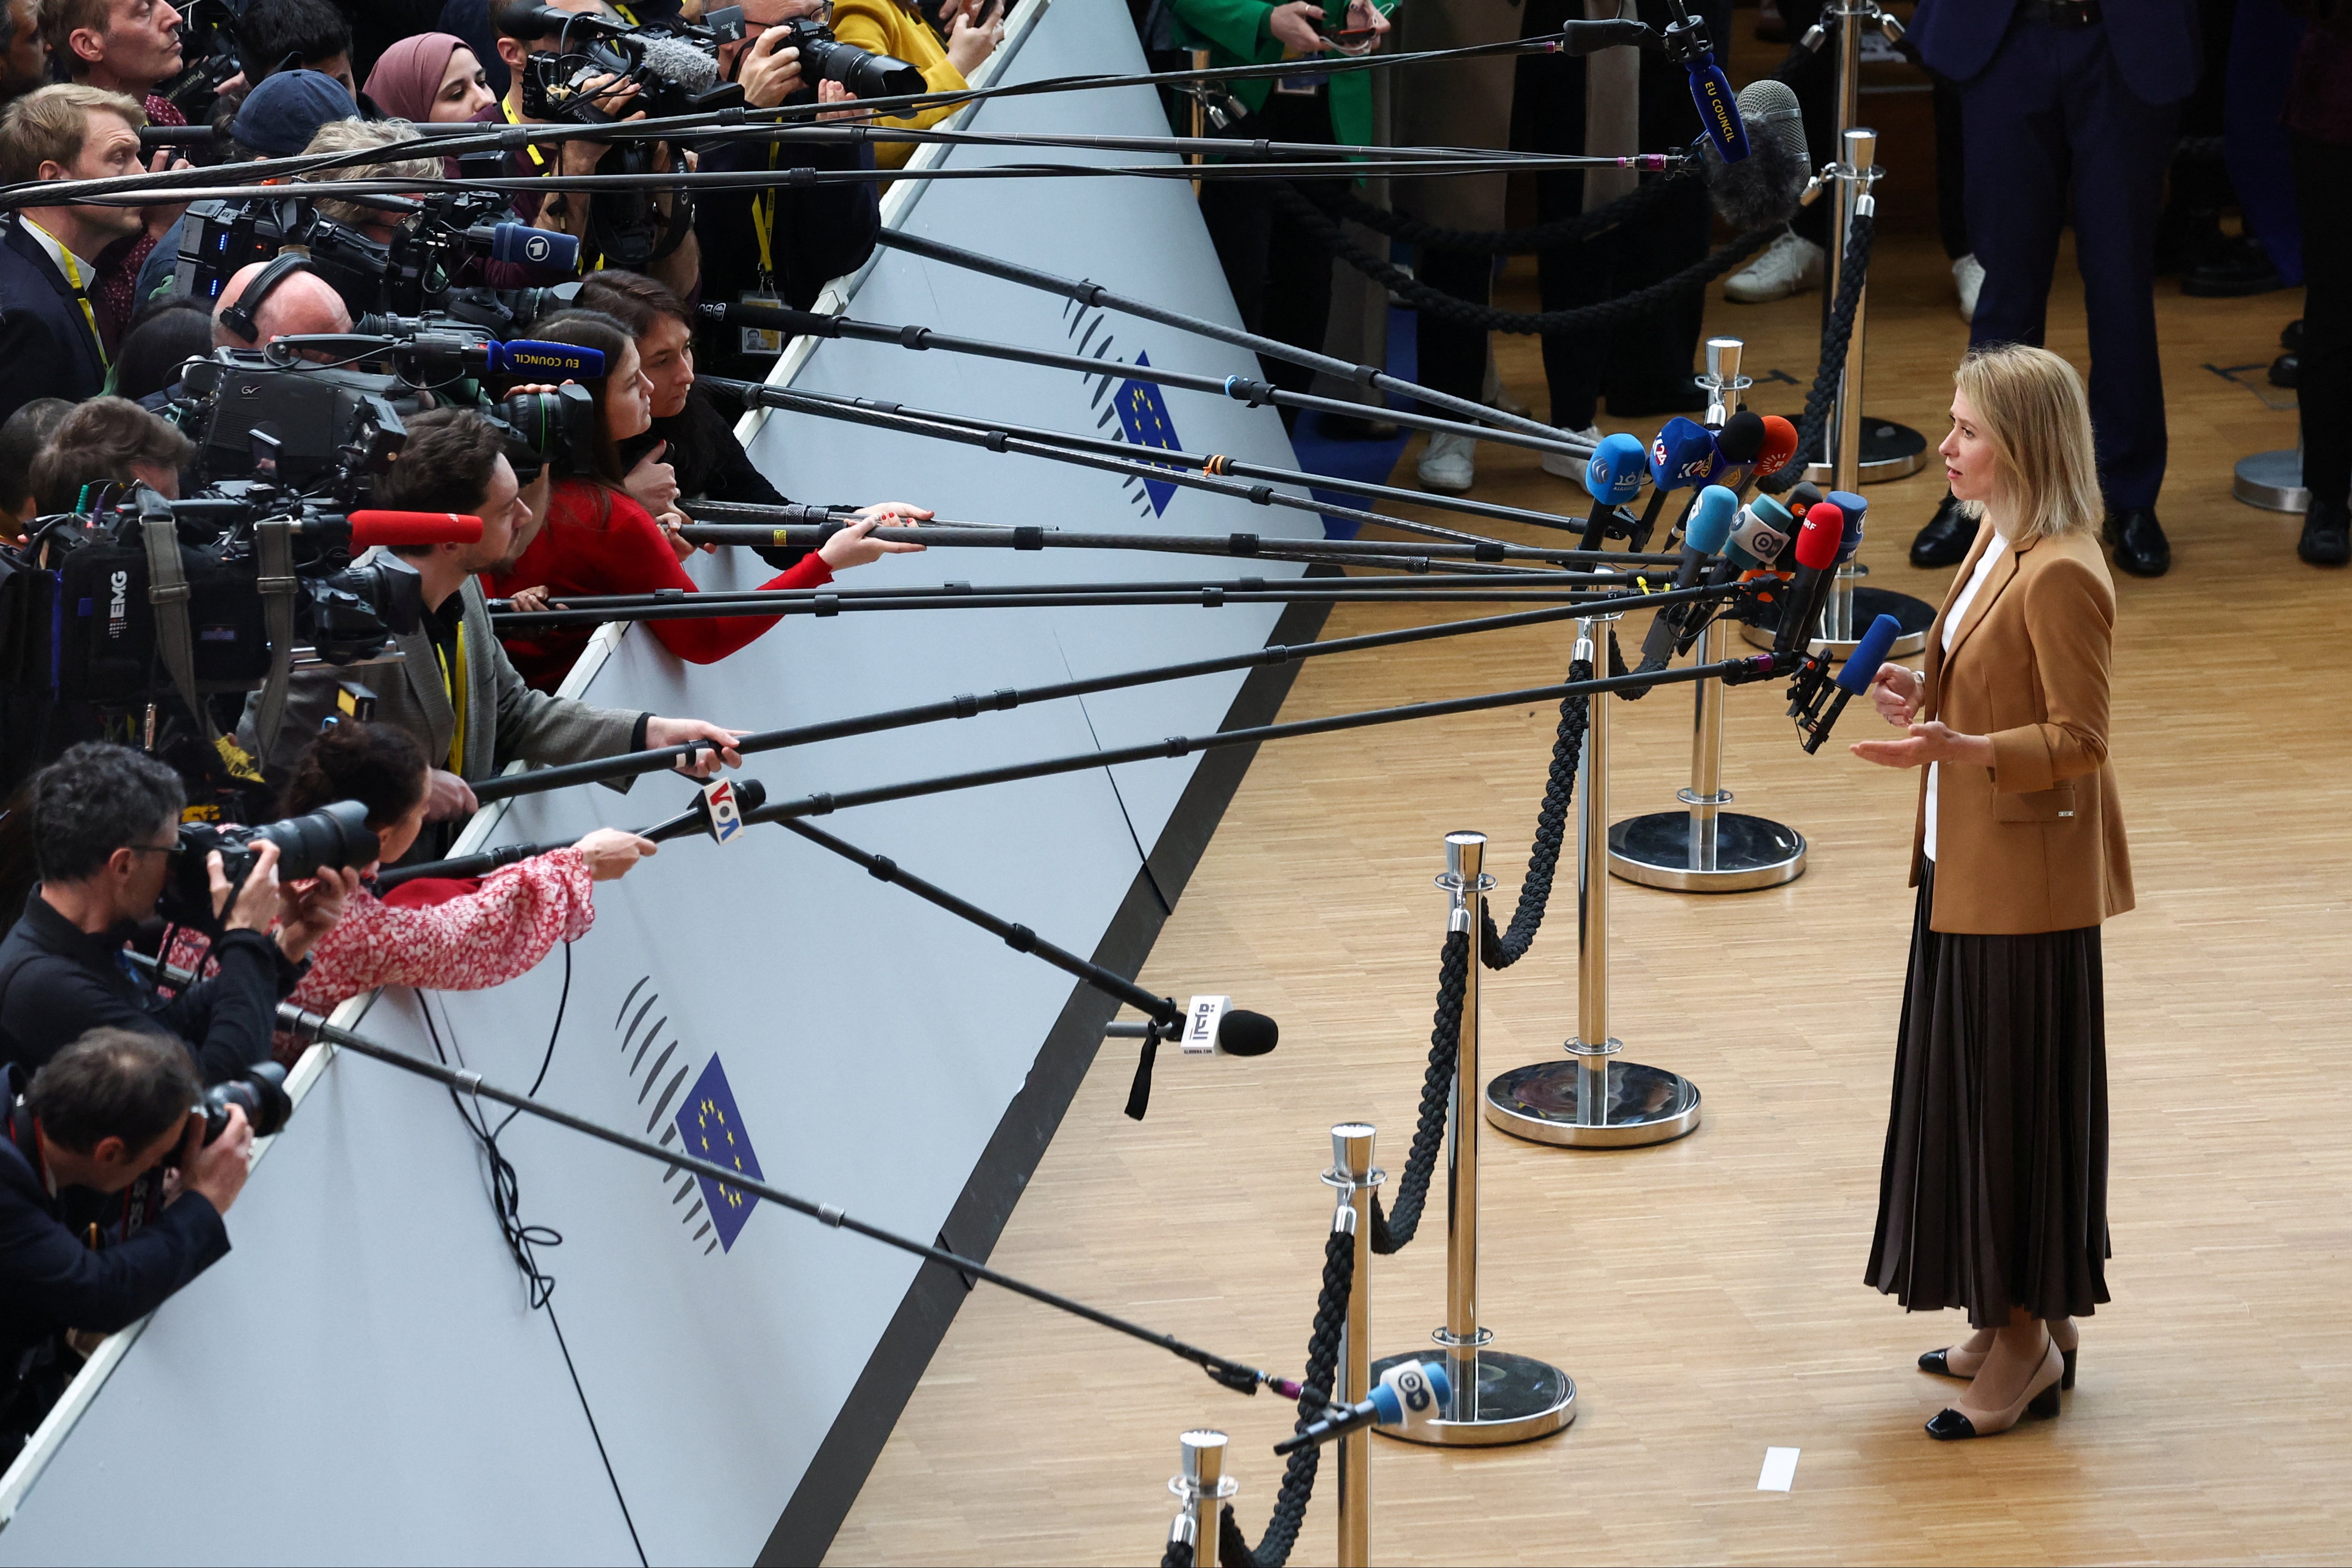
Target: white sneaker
{"points": [[1447, 464], [1788, 266], [1562, 465], [1968, 277]]}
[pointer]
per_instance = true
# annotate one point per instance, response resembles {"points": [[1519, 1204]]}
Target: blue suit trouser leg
{"points": [[2018, 160]]}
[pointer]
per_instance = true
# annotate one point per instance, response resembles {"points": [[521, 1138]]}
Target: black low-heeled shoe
{"points": [[1939, 1363], [1951, 1427]]}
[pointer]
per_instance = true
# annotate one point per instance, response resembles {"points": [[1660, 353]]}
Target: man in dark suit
{"points": [[48, 255], [86, 1247], [2083, 93]]}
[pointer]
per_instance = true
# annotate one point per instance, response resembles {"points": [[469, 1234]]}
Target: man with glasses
{"points": [[105, 831]]}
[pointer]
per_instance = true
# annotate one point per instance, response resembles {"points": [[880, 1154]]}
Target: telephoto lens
{"points": [[260, 1089], [329, 839]]}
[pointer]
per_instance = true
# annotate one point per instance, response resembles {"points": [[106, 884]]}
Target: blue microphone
{"points": [[1614, 477], [1860, 670], [1708, 531], [1409, 1394], [1853, 506], [1710, 89], [527, 246], [1684, 456], [555, 361]]}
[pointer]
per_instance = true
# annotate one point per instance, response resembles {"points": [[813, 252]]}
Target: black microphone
{"points": [[1235, 1033]]}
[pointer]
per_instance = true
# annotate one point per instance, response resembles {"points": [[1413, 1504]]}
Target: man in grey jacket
{"points": [[455, 690]]}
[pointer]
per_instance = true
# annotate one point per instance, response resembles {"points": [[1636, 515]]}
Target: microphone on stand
{"points": [[1759, 533], [1682, 458], [1860, 670], [1741, 445], [1214, 1027], [1613, 477], [1779, 445], [1854, 507], [1817, 548], [1410, 1394], [1709, 531]]}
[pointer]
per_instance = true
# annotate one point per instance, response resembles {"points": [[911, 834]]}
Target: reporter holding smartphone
{"points": [[894, 27]]}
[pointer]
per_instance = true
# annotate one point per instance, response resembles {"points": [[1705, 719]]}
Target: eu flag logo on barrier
{"points": [[1143, 414], [712, 1129]]}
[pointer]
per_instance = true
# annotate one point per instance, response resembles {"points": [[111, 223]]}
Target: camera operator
{"points": [[24, 53], [575, 213], [437, 933], [130, 46], [603, 536], [455, 691], [898, 28], [782, 243], [299, 304], [105, 823], [49, 339], [103, 1113], [272, 35], [108, 441]]}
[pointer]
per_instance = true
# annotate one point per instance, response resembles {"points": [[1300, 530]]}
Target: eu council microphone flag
{"points": [[712, 1129]]}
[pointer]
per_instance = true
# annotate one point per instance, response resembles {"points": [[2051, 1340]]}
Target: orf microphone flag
{"points": [[1817, 548]]}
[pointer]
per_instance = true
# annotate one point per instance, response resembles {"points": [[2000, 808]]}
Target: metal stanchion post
{"points": [[1704, 848], [1203, 1490], [1593, 1100], [1497, 1398], [1352, 1176]]}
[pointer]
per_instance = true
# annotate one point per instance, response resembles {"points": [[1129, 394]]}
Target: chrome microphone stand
{"points": [[1704, 848]]}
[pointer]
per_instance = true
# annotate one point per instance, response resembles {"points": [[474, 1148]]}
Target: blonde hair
{"points": [[49, 126], [2031, 406], [349, 135]]}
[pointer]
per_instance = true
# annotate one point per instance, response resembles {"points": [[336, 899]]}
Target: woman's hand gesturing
{"points": [[1896, 692]]}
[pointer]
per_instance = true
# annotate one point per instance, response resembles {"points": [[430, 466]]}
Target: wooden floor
{"points": [[1706, 1296]]}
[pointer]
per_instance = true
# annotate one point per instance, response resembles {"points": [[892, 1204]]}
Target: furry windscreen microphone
{"points": [[680, 62], [1764, 187]]}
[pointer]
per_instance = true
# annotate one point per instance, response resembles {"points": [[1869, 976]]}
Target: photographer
{"points": [[602, 536], [435, 933], [108, 441], [105, 823], [675, 257], [783, 243], [49, 338], [105, 1111], [897, 28], [455, 691]]}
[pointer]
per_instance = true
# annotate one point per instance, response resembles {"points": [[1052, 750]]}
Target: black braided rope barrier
{"points": [[1272, 1548], [1837, 336], [1393, 1229], [1323, 229]]}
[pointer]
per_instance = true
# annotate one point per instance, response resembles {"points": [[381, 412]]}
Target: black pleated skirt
{"points": [[1993, 1190]]}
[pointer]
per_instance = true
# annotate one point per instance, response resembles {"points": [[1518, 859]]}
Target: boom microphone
{"points": [[1408, 1394], [1613, 477], [527, 246], [1232, 1032], [1767, 188], [1708, 531], [1682, 458], [528, 356], [402, 528], [1817, 548], [1718, 112]]}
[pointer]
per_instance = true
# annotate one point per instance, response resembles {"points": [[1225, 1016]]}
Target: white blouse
{"points": [[1993, 552]]}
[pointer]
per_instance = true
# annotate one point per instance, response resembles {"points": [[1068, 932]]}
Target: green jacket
{"points": [[1234, 33]]}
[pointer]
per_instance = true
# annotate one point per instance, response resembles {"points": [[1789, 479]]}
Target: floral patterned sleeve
{"points": [[468, 943]]}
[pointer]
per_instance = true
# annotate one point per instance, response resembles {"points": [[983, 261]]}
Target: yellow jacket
{"points": [[888, 27]]}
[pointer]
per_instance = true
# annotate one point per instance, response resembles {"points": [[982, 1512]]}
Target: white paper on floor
{"points": [[1779, 1470]]}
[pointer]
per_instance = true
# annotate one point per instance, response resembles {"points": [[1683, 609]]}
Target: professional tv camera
{"points": [[221, 237]]}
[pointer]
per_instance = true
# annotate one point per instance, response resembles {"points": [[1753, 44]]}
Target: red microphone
{"points": [[1779, 445], [409, 528], [1817, 552]]}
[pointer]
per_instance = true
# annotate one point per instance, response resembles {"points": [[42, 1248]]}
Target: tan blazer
{"points": [[2035, 843]]}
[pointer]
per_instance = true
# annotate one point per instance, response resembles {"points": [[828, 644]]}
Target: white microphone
{"points": [[1410, 1394]]}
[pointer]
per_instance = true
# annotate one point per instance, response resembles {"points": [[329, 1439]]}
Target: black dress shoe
{"points": [[2326, 533], [2139, 543], [1951, 1427], [1939, 1363], [2242, 268], [1683, 397], [2284, 369], [1943, 542], [2291, 336]]}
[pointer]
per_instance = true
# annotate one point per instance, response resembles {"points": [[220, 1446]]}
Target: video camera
{"points": [[222, 238]]}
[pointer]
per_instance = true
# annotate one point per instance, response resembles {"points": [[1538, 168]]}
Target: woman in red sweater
{"points": [[612, 531]]}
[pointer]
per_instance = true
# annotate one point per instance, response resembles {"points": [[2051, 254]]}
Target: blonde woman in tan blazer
{"points": [[1992, 1194]]}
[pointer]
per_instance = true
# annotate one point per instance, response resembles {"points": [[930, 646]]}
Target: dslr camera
{"points": [[329, 839]]}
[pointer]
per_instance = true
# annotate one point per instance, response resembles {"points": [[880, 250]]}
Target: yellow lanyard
{"points": [[73, 281], [454, 682], [764, 220], [537, 156]]}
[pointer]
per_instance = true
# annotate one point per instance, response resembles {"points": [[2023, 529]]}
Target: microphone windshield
{"points": [[1755, 541], [1710, 523], [397, 528], [1614, 475], [520, 243], [1861, 665], [1780, 444], [1242, 1033], [1684, 455], [1818, 541], [1764, 187], [1853, 505], [675, 59], [1742, 437]]}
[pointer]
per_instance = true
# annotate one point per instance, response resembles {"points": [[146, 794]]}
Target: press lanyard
{"points": [[537, 156], [763, 222], [454, 683], [73, 281]]}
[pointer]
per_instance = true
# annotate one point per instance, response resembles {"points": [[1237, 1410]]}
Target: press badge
{"points": [[761, 340]]}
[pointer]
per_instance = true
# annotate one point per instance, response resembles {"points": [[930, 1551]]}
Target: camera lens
{"points": [[333, 835], [260, 1092]]}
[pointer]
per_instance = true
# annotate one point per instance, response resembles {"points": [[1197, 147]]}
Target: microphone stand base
{"points": [[2272, 479], [1519, 1399], [1889, 451], [1750, 852], [1913, 615], [1545, 1104]]}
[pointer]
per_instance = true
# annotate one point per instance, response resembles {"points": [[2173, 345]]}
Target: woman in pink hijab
{"points": [[430, 77]]}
